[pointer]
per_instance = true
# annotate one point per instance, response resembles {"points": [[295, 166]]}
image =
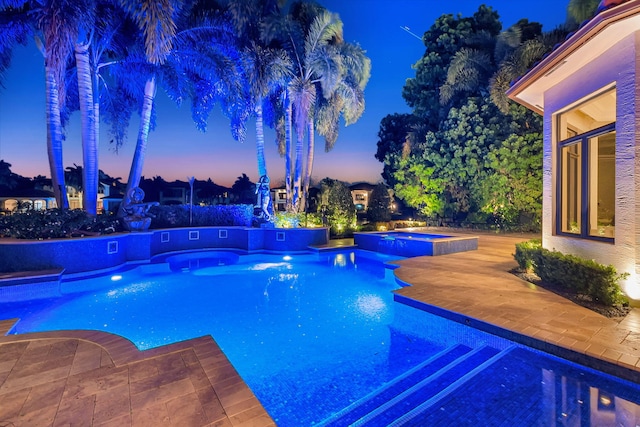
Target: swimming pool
{"points": [[312, 334]]}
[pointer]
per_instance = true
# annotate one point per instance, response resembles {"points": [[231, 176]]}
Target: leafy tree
{"points": [[393, 138], [455, 162], [513, 190], [7, 178], [337, 204], [418, 187], [244, 190], [446, 37], [378, 209]]}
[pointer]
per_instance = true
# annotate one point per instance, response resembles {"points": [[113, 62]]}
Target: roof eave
{"points": [[577, 40]]}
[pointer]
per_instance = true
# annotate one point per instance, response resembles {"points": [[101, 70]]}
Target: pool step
{"points": [[408, 418], [398, 401], [391, 389]]}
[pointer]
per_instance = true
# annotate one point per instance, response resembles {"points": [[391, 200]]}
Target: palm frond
{"points": [[326, 28], [156, 19]]}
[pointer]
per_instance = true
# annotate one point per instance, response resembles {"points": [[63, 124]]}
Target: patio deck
{"points": [[85, 378]]}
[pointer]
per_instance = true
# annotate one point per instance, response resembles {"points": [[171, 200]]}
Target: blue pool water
{"points": [[313, 333]]}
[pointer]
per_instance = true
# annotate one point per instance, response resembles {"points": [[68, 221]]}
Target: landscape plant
{"points": [[583, 276]]}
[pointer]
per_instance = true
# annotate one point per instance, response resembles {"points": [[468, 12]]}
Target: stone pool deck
{"points": [[85, 378]]}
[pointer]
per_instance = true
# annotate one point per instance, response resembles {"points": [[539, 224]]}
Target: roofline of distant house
{"points": [[597, 24]]}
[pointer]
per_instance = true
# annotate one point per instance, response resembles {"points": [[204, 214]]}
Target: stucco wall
{"points": [[620, 66]]}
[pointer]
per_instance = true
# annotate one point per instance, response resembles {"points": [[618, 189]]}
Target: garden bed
{"points": [[615, 312]]}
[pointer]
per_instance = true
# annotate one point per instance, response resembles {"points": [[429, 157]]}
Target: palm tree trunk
{"points": [[262, 166], [297, 178], [89, 142], [96, 123], [54, 140], [309, 167], [287, 145], [141, 145]]}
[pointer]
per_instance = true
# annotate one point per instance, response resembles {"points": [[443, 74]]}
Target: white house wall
{"points": [[620, 66]]}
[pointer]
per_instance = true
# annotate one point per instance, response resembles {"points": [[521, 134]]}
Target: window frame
{"points": [[583, 140]]}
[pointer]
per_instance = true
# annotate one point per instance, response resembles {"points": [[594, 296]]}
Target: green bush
{"points": [[218, 215], [56, 223], [295, 220], [587, 277]]}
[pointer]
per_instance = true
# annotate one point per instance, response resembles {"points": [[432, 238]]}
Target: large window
{"points": [[586, 169]]}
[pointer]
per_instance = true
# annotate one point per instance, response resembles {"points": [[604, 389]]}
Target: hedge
{"points": [[583, 276], [56, 223], [216, 215]]}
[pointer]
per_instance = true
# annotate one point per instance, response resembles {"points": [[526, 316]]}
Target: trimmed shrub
{"points": [[586, 277], [56, 223], [218, 215]]}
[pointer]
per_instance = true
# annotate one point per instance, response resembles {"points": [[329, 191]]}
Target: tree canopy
{"points": [[467, 153]]}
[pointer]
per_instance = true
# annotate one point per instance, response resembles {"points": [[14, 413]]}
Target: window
{"points": [[586, 169]]}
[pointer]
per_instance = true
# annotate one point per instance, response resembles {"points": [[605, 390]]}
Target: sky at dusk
{"points": [[176, 149]]}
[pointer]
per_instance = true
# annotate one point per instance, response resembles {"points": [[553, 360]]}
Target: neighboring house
{"points": [[279, 199], [174, 196], [588, 90], [108, 197], [23, 200], [361, 193]]}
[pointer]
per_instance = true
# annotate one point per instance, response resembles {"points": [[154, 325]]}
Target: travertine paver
{"points": [[479, 285], [85, 378]]}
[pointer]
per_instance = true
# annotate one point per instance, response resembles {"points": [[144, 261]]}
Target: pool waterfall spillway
{"points": [[410, 244]]}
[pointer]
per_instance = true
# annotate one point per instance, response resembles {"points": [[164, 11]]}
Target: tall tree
{"points": [[581, 10], [54, 23], [347, 101], [379, 207], [313, 37], [394, 139], [194, 52], [156, 20], [100, 44]]}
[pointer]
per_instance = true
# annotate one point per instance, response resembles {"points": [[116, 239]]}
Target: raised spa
{"points": [[410, 244]]}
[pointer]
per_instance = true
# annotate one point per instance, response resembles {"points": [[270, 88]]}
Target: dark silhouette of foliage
{"points": [[378, 209]]}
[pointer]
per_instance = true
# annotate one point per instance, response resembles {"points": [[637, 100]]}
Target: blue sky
{"points": [[177, 150]]}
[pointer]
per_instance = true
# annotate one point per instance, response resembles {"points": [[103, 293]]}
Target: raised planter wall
{"points": [[98, 253]]}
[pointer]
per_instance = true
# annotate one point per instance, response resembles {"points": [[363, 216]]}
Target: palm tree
{"points": [[156, 20], [55, 24], [518, 61], [581, 10], [266, 70], [311, 36], [98, 46], [347, 101], [199, 61]]}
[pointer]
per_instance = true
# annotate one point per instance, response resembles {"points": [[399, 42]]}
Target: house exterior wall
{"points": [[620, 65]]}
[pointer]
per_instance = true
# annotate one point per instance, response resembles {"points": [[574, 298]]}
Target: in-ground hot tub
{"points": [[410, 244]]}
